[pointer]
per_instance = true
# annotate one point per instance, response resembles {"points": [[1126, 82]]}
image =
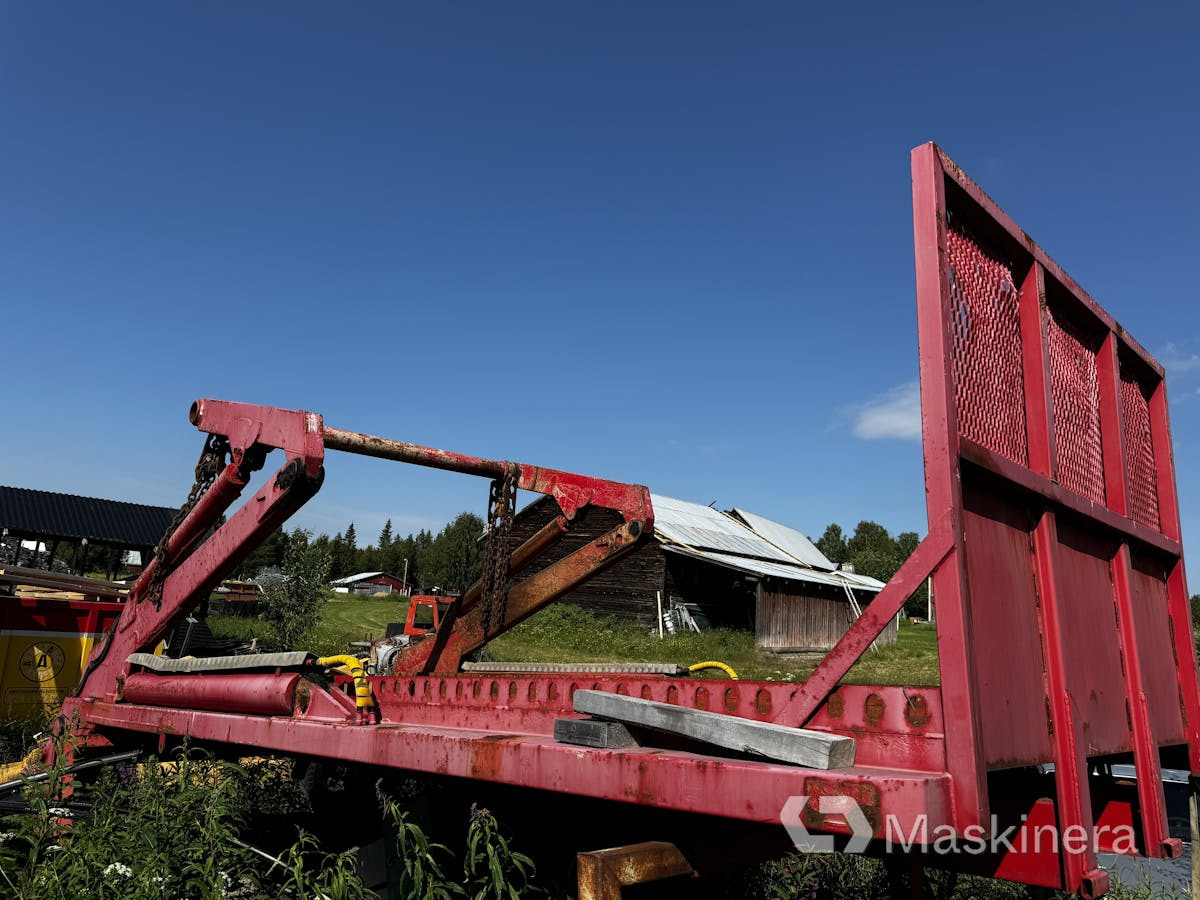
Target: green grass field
{"points": [[567, 634], [342, 621]]}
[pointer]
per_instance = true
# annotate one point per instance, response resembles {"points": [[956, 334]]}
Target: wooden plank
{"points": [[593, 733], [814, 749]]}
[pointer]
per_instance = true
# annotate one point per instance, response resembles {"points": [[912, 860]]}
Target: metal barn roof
{"points": [[350, 579], [45, 514], [787, 539], [748, 543], [705, 528], [779, 570]]}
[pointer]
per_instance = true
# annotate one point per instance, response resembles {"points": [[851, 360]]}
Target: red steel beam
{"points": [[943, 485], [470, 631], [706, 785], [1074, 805], [866, 628]]}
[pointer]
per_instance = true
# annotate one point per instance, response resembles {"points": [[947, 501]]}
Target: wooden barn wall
{"points": [[787, 615], [794, 616], [625, 589]]}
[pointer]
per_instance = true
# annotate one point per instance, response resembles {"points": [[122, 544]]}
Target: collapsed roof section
{"points": [[748, 543]]}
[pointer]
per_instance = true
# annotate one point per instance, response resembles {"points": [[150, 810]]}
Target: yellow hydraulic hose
{"points": [[12, 771], [713, 664], [354, 668]]}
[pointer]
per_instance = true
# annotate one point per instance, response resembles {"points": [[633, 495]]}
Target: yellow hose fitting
{"points": [[713, 664], [353, 667]]}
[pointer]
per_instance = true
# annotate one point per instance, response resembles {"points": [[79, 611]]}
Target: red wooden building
{"points": [[371, 583]]}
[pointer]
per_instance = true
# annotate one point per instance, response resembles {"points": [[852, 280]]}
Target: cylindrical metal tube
{"points": [[402, 451], [218, 498], [259, 695]]}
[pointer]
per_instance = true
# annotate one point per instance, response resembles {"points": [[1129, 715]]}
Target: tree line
{"points": [[875, 553], [451, 559]]}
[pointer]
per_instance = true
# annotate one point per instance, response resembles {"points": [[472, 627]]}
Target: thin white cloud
{"points": [[1176, 361], [894, 415]]}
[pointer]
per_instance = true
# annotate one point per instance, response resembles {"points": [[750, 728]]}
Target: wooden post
{"points": [[814, 749]]}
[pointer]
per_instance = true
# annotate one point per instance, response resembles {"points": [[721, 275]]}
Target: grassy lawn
{"points": [[342, 621], [567, 634]]}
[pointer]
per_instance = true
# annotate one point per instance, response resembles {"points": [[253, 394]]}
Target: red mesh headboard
{"points": [[1063, 623]]}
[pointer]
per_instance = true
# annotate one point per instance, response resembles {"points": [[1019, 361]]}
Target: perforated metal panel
{"points": [[1075, 392], [1064, 629], [1139, 453], [986, 344]]}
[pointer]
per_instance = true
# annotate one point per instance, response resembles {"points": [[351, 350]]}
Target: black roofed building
{"points": [[77, 526]]}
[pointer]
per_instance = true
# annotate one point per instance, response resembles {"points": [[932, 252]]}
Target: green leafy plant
{"points": [[492, 869], [421, 873], [150, 831], [292, 606], [158, 830], [308, 872]]}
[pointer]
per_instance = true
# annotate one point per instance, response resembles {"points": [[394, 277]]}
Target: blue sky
{"points": [[660, 242]]}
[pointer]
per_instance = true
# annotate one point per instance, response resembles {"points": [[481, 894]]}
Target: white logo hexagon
{"points": [[792, 817]]}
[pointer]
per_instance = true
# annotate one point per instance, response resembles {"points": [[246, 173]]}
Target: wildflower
{"points": [[120, 869]]}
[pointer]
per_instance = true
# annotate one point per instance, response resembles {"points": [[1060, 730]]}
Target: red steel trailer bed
{"points": [[1063, 626]]}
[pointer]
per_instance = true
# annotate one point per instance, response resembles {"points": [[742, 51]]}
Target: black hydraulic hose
{"points": [[77, 767]]}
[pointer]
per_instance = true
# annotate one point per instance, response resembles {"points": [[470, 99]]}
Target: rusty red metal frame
{"points": [[1063, 625], [1043, 420]]}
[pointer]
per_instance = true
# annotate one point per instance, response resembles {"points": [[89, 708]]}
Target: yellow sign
{"points": [[38, 669], [42, 661]]}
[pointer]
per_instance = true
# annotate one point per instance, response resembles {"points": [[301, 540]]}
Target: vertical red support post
{"points": [[1070, 771], [943, 489], [1035, 359], [1178, 604], [1074, 804], [1151, 799]]}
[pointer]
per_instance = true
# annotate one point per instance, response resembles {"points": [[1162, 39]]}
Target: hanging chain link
{"points": [[209, 466], [502, 503]]}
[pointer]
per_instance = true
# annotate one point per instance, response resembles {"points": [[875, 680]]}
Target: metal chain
{"points": [[502, 503], [209, 466]]}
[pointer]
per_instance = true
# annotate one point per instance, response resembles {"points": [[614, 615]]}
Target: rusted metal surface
{"points": [[570, 490], [1046, 441], [402, 451], [260, 695], [888, 723], [142, 625], [57, 581], [602, 873], [469, 631], [691, 782], [867, 628], [1054, 553]]}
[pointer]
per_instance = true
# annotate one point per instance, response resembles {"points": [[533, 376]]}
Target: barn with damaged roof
{"points": [[714, 568]]}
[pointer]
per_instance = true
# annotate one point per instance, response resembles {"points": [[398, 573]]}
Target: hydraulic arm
{"points": [[200, 548]]}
